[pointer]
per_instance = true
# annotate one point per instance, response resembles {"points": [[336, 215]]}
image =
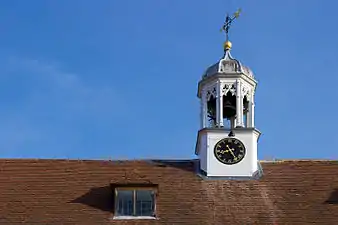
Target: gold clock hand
{"points": [[231, 151]]}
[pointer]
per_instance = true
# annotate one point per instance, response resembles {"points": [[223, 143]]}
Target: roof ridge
{"points": [[95, 160], [154, 160], [299, 160]]}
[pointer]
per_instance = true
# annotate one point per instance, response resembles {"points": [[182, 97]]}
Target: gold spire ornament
{"points": [[227, 45], [226, 27]]}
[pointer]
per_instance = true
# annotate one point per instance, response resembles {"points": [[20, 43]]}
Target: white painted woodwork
{"points": [[227, 75]]}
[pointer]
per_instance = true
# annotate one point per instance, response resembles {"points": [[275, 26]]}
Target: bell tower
{"points": [[227, 139]]}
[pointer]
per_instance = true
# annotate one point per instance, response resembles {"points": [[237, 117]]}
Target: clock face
{"points": [[229, 151]]}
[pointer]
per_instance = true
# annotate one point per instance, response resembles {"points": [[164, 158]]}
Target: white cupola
{"points": [[227, 139], [219, 96]]}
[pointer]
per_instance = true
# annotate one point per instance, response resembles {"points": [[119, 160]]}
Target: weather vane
{"points": [[228, 21]]}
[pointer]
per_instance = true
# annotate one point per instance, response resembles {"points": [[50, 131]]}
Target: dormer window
{"points": [[135, 202]]}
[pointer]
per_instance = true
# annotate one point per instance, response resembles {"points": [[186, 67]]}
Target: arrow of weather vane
{"points": [[228, 21]]}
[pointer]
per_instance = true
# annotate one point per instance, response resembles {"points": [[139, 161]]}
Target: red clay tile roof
{"points": [[57, 192]]}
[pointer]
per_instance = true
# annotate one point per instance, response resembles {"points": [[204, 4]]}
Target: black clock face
{"points": [[229, 151]]}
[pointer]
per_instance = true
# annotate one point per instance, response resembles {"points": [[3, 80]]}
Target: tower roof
{"points": [[228, 65]]}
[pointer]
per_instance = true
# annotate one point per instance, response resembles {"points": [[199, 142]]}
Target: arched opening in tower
{"points": [[211, 111], [245, 111]]}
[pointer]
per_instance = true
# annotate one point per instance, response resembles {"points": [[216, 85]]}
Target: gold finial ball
{"points": [[227, 45]]}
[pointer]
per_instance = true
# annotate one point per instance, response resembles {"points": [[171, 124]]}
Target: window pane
{"points": [[124, 203], [144, 203]]}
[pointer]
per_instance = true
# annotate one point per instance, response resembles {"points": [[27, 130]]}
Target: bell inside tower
{"points": [[229, 106]]}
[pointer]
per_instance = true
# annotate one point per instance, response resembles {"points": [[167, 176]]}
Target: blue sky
{"points": [[118, 79]]}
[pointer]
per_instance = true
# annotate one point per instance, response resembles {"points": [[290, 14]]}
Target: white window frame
{"points": [[134, 189]]}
